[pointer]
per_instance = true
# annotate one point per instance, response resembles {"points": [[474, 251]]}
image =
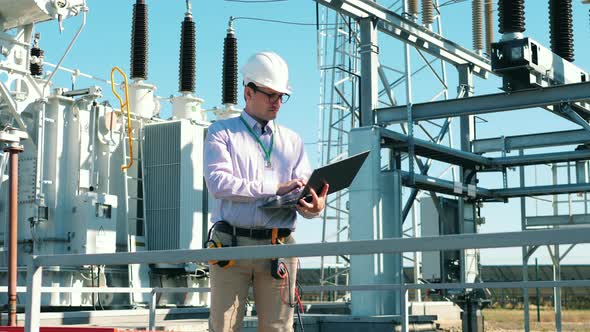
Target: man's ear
{"points": [[248, 93]]}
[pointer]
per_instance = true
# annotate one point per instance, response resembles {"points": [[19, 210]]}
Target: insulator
{"points": [[413, 7], [37, 67], [561, 28], [511, 16], [230, 69], [427, 12], [139, 41], [477, 24], [187, 66], [489, 18]]}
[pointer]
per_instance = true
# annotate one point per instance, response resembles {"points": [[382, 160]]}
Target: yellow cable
{"points": [[124, 105]]}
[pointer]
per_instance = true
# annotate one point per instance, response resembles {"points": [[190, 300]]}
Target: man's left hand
{"points": [[316, 205]]}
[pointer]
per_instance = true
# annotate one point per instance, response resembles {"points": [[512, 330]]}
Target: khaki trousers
{"points": [[229, 290]]}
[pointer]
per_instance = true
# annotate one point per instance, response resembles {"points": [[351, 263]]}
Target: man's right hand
{"points": [[287, 187]]}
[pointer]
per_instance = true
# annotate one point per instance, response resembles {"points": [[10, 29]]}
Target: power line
{"points": [[255, 1], [277, 21]]}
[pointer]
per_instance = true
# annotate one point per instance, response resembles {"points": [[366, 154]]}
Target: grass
{"points": [[513, 320]]}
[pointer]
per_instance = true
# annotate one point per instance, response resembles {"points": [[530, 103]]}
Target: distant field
{"points": [[497, 320]]}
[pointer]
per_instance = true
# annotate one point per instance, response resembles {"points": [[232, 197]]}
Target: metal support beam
{"points": [[575, 117], [434, 151], [389, 245], [33, 305], [531, 141], [12, 107], [446, 187], [364, 247], [542, 158], [411, 33], [525, 251], [466, 135], [575, 219], [540, 190], [487, 103], [471, 160], [369, 52], [375, 213], [557, 290], [424, 171], [152, 308]]}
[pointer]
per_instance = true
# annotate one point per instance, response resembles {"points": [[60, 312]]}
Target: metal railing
{"points": [[367, 247]]}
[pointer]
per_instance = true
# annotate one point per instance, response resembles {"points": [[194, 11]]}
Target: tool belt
{"points": [[254, 233], [276, 235]]}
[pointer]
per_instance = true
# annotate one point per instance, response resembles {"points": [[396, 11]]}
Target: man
{"points": [[249, 159]]}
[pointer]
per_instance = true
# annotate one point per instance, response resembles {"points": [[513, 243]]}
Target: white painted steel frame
{"points": [[411, 33], [498, 102], [449, 242]]}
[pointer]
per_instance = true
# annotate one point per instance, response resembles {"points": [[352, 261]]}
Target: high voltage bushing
{"points": [[511, 16], [561, 28], [427, 12], [489, 18], [139, 41], [413, 7], [230, 68], [36, 67], [477, 24], [187, 65]]}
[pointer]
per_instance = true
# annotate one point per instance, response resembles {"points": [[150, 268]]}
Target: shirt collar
{"points": [[254, 124]]}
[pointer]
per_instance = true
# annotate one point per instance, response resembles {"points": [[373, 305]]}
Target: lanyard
{"points": [[268, 152]]}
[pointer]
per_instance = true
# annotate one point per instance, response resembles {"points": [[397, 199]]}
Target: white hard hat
{"points": [[267, 69]]}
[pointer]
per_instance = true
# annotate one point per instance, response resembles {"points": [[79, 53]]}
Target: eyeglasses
{"points": [[272, 97]]}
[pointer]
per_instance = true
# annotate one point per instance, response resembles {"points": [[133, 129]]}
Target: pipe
{"points": [[84, 10], [93, 132], [13, 232], [41, 127]]}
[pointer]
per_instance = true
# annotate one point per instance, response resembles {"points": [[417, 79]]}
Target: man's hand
{"points": [[287, 187], [316, 205]]}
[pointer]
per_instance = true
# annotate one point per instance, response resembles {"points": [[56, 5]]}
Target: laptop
{"points": [[338, 175]]}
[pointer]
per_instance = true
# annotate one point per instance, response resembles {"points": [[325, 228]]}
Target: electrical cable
{"points": [[450, 2], [255, 1], [283, 272], [445, 4], [279, 21]]}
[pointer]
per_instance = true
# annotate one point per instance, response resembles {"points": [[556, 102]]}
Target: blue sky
{"points": [[105, 42]]}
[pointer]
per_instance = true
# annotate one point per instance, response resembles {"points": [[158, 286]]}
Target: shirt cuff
{"points": [[309, 215], [269, 187]]}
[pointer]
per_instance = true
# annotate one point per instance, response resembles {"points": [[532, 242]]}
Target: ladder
{"points": [[133, 189], [135, 209]]}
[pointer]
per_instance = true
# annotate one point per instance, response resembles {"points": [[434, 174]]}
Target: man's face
{"points": [[263, 103]]}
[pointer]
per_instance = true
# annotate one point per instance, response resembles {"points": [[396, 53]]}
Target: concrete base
{"points": [[447, 311], [195, 320], [116, 318]]}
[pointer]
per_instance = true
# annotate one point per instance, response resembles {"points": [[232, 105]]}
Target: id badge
{"points": [[269, 173]]}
